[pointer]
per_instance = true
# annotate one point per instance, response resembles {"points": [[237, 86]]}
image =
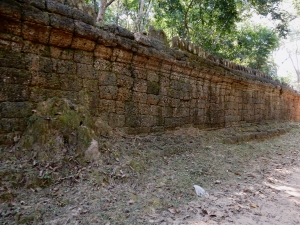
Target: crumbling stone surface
{"points": [[129, 81]]}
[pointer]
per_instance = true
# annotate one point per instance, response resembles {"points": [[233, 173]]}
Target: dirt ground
{"points": [[148, 179]]}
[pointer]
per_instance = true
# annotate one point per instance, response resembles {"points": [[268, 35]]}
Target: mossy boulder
{"points": [[57, 128]]}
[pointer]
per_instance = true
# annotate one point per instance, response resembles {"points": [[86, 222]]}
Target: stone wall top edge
{"points": [[138, 43]]}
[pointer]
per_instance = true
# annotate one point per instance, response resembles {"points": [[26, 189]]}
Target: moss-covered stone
{"points": [[153, 88], [58, 126]]}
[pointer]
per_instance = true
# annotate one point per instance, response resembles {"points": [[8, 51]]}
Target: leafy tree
{"points": [[190, 18], [250, 46]]}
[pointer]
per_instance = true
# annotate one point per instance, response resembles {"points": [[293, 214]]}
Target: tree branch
{"points": [[109, 3]]}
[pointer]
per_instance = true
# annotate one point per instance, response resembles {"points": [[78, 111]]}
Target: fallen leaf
{"points": [[254, 206], [173, 211]]}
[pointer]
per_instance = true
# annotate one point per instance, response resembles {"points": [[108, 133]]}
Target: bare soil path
{"points": [[148, 179]]}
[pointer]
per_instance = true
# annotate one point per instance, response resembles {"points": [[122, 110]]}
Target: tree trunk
{"points": [[102, 8], [137, 22]]}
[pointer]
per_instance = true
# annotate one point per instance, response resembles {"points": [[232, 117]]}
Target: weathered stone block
{"points": [[12, 125], [60, 53], [139, 97], [126, 44], [36, 32], [10, 26], [120, 55], [60, 38], [155, 110], [108, 92], [82, 16], [10, 8], [106, 38], [86, 71], [83, 44], [176, 94], [153, 76], [145, 52], [15, 109], [63, 66], [125, 81], [153, 88], [120, 106], [108, 106], [115, 120], [36, 48], [62, 23], [139, 73], [153, 64], [140, 86], [12, 59], [103, 52], [132, 118], [172, 122], [56, 7], [52, 80], [107, 79], [37, 94], [124, 94], [157, 129], [91, 85], [85, 31], [120, 31], [143, 109], [181, 112], [139, 61], [32, 62], [175, 102], [14, 76], [102, 65], [34, 15], [8, 45], [148, 121], [167, 111], [45, 64], [83, 57], [153, 99], [122, 69], [14, 92], [41, 4], [70, 82]]}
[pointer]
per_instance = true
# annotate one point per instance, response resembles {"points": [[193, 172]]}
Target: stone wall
{"points": [[128, 80]]}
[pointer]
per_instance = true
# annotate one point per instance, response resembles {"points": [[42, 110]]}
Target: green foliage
{"points": [[189, 19], [250, 46]]}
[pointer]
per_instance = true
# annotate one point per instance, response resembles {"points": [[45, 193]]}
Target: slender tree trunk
{"points": [[102, 8], [137, 23], [147, 15], [118, 10]]}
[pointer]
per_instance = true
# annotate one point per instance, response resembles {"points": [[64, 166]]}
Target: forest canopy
{"points": [[223, 27]]}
